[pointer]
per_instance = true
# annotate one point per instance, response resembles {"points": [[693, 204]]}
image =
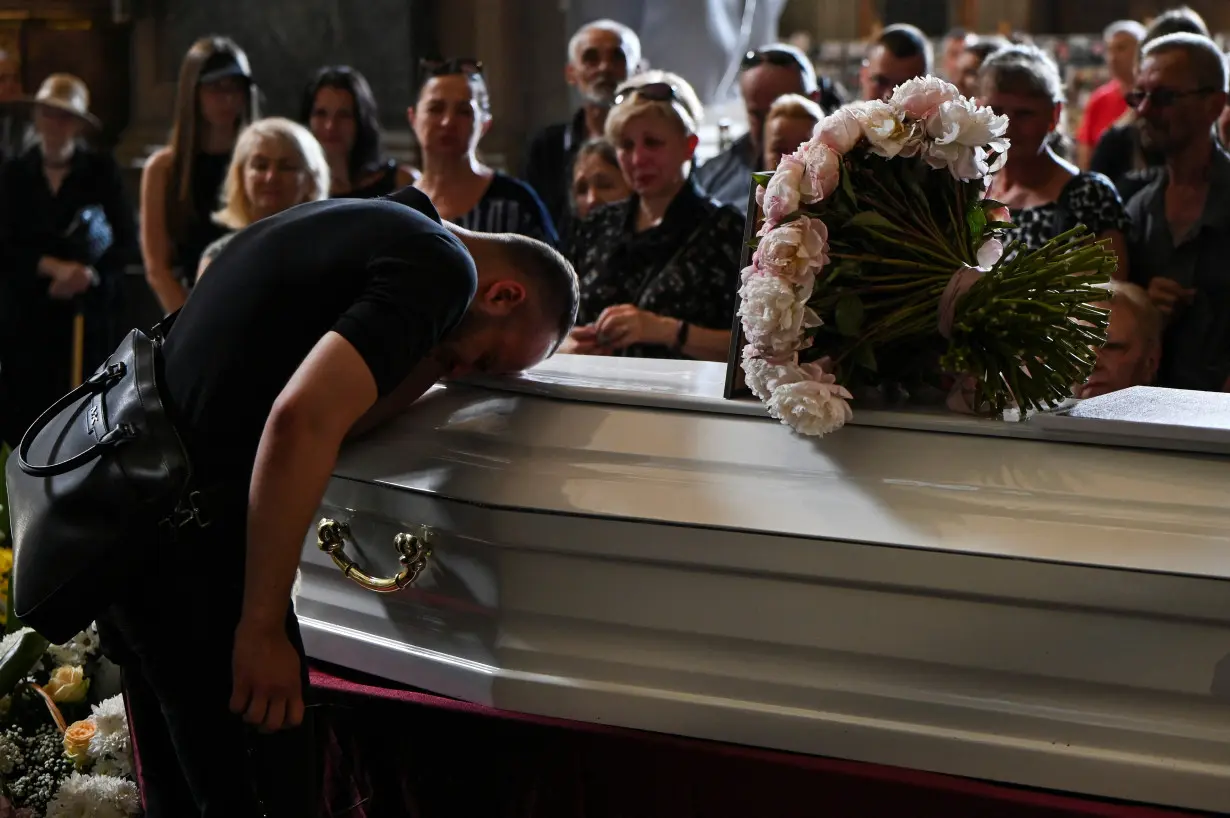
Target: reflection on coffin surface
{"points": [[1042, 603]]}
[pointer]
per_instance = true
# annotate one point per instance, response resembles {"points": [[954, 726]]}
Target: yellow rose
{"points": [[77, 741], [68, 685]]}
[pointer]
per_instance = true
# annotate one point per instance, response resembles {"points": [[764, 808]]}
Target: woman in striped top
{"points": [[452, 114]]}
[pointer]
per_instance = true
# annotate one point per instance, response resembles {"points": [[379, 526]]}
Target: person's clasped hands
{"points": [[618, 327], [1169, 296]]}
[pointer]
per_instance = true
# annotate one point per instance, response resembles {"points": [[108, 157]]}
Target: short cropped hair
{"points": [[905, 41], [1207, 60], [1134, 299], [559, 289], [984, 46], [632, 43], [1129, 27], [598, 146], [685, 109], [794, 106], [1181, 20], [1024, 69], [236, 212], [807, 70]]}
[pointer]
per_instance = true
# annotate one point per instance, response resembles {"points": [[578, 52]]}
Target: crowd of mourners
{"points": [[655, 235]]}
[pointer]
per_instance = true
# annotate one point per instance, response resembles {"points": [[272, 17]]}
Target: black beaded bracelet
{"points": [[681, 338]]}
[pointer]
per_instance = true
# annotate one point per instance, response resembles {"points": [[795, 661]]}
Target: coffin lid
{"points": [[1135, 480]]}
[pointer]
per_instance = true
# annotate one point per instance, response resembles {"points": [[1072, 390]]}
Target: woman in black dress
{"points": [[182, 181], [66, 234], [340, 110]]}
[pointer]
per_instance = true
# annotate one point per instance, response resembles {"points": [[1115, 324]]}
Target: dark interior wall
{"points": [[932, 16], [286, 40]]}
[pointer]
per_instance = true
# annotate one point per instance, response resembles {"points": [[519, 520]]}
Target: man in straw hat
{"points": [[312, 325]]}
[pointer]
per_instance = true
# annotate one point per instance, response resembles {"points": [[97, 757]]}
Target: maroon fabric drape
{"points": [[396, 751]]}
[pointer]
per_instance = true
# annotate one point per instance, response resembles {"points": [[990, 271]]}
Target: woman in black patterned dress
{"points": [[659, 271], [1045, 194]]}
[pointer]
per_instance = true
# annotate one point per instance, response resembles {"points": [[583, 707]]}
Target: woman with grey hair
{"points": [[1046, 195]]}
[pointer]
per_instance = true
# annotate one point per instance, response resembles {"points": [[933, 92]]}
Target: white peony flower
{"points": [[781, 195], [95, 796], [840, 131], [762, 376], [774, 313], [921, 97], [882, 127], [794, 251], [821, 172], [989, 254], [812, 407], [962, 135]]}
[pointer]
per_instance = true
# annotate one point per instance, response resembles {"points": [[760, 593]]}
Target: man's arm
{"points": [[329, 392], [400, 399]]}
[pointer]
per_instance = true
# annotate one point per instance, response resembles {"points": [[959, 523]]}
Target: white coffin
{"points": [[1045, 603]]}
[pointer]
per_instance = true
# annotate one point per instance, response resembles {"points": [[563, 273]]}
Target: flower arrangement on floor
{"points": [[880, 265], [64, 753]]}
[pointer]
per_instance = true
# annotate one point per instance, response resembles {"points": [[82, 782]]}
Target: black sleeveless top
{"points": [[208, 174], [382, 185]]}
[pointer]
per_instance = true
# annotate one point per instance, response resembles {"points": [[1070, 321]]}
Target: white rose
{"points": [[794, 250], [881, 126], [821, 172], [811, 407], [774, 313], [840, 131]]}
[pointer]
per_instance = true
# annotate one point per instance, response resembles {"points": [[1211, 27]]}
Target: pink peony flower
{"points": [[781, 196], [999, 214], [794, 250], [821, 172], [921, 97], [840, 131], [812, 407]]}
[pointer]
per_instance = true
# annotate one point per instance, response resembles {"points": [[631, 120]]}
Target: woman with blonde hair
{"points": [[180, 185], [789, 123], [277, 164], [659, 271]]}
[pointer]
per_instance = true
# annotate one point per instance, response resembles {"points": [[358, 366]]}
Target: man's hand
{"points": [[1168, 295], [267, 688], [68, 278]]}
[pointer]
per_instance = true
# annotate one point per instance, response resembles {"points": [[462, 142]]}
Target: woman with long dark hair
{"points": [[182, 181], [339, 108]]}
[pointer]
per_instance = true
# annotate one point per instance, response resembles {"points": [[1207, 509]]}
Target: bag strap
{"points": [[99, 382]]}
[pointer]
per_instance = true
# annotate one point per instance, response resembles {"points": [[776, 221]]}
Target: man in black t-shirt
{"points": [[325, 319]]}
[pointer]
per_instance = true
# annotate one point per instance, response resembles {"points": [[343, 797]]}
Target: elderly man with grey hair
{"points": [[1181, 221], [1106, 104], [601, 55]]}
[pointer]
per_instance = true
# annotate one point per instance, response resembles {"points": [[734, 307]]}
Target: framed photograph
{"points": [[735, 386]]}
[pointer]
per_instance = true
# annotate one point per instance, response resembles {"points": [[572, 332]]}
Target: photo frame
{"points": [[736, 386]]}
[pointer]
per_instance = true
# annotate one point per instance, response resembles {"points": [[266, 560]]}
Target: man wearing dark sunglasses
{"points": [[1181, 221], [766, 74], [601, 55]]}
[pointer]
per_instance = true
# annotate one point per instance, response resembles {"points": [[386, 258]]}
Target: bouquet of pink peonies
{"points": [[881, 264]]}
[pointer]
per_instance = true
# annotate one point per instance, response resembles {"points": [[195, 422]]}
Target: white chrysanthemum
{"points": [[95, 796], [79, 650], [12, 639], [110, 717], [108, 744], [118, 766]]}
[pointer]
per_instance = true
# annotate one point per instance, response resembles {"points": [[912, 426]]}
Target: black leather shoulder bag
{"points": [[94, 485]]}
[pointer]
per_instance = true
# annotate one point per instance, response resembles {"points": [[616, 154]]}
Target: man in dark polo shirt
{"points": [[1180, 238], [325, 319]]}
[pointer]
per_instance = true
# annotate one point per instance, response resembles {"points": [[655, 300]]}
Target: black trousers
{"points": [[173, 636]]}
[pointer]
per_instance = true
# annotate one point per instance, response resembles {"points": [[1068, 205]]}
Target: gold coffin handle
{"points": [[412, 552]]}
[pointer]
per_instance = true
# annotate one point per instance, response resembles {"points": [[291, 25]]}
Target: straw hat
{"points": [[67, 93]]}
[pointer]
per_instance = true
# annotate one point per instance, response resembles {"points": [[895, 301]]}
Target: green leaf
{"points": [[976, 221], [1000, 225], [846, 187], [871, 219], [762, 179], [20, 659], [866, 358], [849, 315]]}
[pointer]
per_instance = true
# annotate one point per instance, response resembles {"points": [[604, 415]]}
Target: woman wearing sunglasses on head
{"points": [[452, 114], [659, 272]]}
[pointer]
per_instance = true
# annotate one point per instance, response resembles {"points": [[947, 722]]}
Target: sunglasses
{"points": [[652, 91], [771, 56], [1161, 97], [469, 66]]}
